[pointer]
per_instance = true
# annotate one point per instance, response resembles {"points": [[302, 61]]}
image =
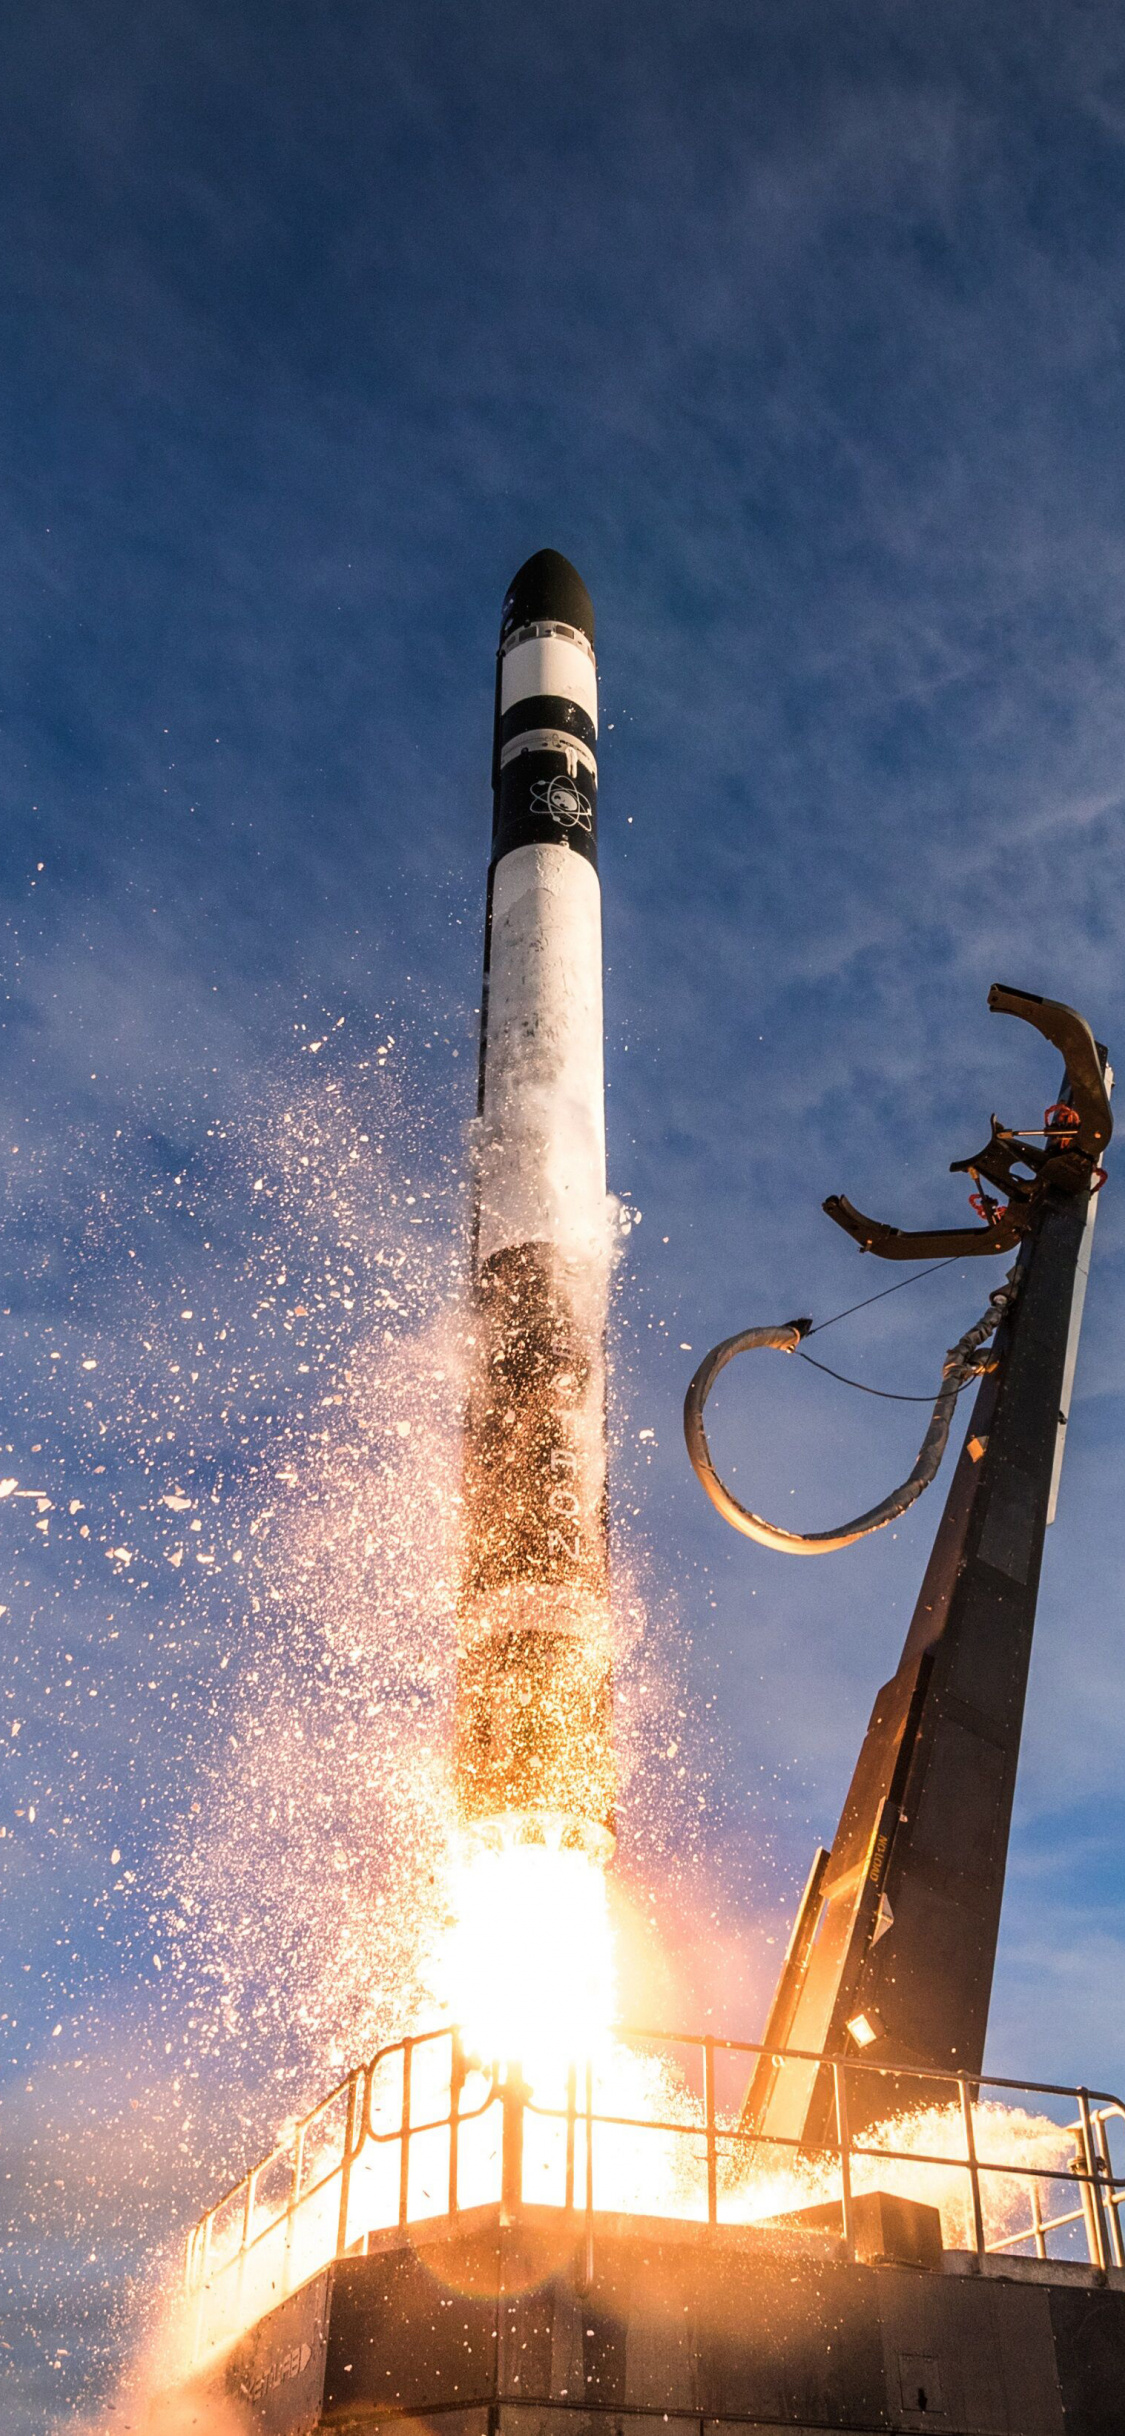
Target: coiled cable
{"points": [[961, 1364]]}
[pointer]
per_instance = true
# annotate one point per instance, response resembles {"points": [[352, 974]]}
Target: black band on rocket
{"points": [[548, 710], [542, 801]]}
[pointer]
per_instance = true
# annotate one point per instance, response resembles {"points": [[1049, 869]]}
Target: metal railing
{"points": [[425, 2131]]}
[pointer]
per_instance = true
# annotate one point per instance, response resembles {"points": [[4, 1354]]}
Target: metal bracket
{"points": [[1065, 1161]]}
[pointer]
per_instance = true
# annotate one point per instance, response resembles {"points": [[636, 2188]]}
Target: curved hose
{"points": [[959, 1366]]}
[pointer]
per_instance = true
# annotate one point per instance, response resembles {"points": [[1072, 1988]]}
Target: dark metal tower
{"points": [[895, 1943]]}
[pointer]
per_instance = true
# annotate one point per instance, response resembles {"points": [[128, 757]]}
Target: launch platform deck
{"points": [[437, 2243], [482, 2329]]}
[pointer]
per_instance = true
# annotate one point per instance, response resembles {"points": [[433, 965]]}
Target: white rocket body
{"points": [[534, 1754], [542, 1157]]}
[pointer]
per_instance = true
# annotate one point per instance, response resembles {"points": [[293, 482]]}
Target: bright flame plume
{"points": [[529, 1965]]}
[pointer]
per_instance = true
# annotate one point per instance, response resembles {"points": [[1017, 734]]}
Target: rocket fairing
{"points": [[534, 1756]]}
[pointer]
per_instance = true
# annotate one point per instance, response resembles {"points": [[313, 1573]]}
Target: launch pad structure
{"points": [[440, 2243], [508, 2274]]}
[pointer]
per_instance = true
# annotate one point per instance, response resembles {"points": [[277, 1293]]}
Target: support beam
{"points": [[899, 1940]]}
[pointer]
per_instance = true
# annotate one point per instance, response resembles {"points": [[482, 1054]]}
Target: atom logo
{"points": [[563, 802]]}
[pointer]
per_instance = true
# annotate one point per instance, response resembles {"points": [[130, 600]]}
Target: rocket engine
{"points": [[534, 1754]]}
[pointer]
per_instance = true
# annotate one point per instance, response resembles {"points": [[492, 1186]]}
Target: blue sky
{"points": [[801, 332]]}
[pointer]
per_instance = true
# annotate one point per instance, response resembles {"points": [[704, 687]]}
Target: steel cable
{"points": [[881, 1297], [886, 1395]]}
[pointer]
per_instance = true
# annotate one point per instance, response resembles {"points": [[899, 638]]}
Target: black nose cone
{"points": [[549, 588]]}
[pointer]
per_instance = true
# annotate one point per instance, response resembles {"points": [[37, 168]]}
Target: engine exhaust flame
{"points": [[529, 1964]]}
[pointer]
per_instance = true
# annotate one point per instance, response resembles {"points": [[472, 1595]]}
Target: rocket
{"points": [[534, 1760]]}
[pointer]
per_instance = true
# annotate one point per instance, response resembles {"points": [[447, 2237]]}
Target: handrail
{"points": [[713, 2145], [405, 2131], [863, 2063]]}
